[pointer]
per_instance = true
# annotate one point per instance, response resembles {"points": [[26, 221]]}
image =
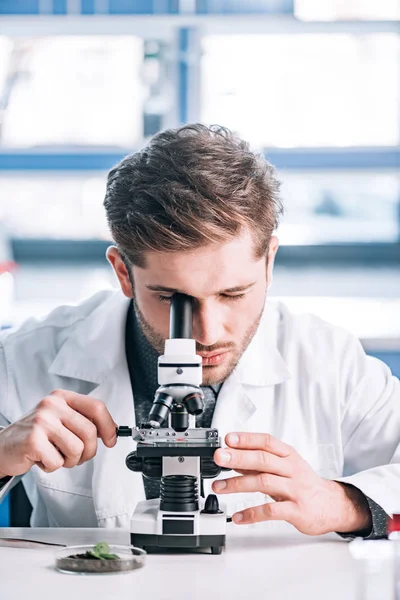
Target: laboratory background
{"points": [[313, 85]]}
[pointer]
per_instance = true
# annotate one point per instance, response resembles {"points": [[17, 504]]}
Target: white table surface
{"points": [[266, 561]]}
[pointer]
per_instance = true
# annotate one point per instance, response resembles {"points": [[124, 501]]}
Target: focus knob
{"points": [[209, 469], [133, 462], [124, 431], [211, 506]]}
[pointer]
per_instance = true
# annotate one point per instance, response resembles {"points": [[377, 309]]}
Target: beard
{"points": [[212, 375]]}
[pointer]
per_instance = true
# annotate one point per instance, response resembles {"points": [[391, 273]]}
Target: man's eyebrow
{"points": [[161, 288], [237, 288]]}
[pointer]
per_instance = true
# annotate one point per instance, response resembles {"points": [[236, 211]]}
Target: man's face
{"points": [[228, 286]]}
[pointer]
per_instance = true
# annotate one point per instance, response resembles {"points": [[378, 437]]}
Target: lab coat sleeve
{"points": [[3, 386], [5, 485], [371, 428]]}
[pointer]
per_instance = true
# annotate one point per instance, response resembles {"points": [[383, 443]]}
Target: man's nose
{"points": [[207, 325]]}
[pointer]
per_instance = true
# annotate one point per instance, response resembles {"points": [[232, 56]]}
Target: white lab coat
{"points": [[300, 379]]}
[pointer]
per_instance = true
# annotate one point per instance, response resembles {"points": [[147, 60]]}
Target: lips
{"points": [[214, 359]]}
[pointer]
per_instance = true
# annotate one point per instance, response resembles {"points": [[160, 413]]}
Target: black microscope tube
{"points": [[181, 315]]}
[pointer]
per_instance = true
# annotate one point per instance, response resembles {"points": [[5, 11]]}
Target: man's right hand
{"points": [[61, 431]]}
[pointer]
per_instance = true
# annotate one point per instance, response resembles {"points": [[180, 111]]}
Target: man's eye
{"points": [[235, 297], [225, 296]]}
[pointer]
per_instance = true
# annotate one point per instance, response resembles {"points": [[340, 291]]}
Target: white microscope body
{"points": [[181, 454]]}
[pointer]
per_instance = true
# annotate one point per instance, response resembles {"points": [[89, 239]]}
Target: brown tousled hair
{"points": [[190, 187]]}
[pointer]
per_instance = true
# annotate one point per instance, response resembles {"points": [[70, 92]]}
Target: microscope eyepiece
{"points": [[179, 372], [180, 323], [194, 403]]}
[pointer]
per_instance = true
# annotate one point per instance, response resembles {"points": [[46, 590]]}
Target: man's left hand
{"points": [[312, 504]]}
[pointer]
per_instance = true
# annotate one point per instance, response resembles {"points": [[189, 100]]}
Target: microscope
{"points": [[171, 447]]}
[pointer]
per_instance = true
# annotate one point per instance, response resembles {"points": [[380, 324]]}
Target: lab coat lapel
{"points": [[95, 352], [116, 489], [248, 390], [233, 408], [95, 344], [246, 399]]}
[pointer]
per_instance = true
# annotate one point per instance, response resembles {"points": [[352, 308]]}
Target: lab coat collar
{"points": [[262, 363], [96, 344]]}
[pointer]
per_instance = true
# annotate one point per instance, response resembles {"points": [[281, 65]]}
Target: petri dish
{"points": [[70, 560]]}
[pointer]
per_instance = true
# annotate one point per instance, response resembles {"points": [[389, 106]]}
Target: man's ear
{"points": [[272, 250], [120, 269]]}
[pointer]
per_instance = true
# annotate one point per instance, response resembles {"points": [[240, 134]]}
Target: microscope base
{"points": [[152, 527], [183, 542]]}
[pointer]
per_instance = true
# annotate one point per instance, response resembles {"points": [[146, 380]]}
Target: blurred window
{"points": [[340, 207], [304, 90], [59, 91], [241, 6], [85, 95], [331, 10], [320, 208], [53, 205]]}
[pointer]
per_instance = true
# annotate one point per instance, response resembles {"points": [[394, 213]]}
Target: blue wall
{"points": [[4, 510]]}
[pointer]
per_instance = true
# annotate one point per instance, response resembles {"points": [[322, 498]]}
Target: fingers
{"points": [[274, 486], [273, 511], [61, 430], [52, 444], [244, 472], [253, 460], [70, 446], [256, 452], [94, 410], [259, 441], [84, 430], [45, 455]]}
